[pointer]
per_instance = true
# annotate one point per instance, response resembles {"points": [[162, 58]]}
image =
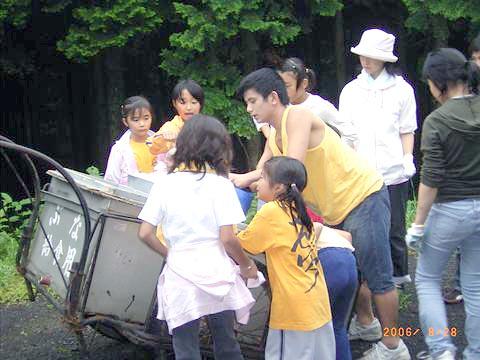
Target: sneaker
{"points": [[401, 280], [446, 355], [380, 352], [452, 296], [357, 331]]}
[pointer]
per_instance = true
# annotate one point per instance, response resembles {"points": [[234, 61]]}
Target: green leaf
{"points": [[6, 199]]}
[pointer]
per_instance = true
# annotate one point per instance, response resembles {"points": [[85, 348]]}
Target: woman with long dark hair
{"points": [[448, 209]]}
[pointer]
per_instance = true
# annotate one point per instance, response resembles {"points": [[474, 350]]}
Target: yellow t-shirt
{"points": [[338, 178], [144, 159], [299, 294], [157, 144]]}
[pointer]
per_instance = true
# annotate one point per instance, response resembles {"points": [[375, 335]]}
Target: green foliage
{"points": [[13, 214], [326, 7], [451, 10], [432, 16], [220, 42], [405, 298], [12, 288], [13, 217], [410, 213], [111, 25], [93, 170], [14, 12]]}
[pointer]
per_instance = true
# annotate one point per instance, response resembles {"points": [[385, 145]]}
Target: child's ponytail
{"points": [[292, 174], [294, 196], [301, 72]]}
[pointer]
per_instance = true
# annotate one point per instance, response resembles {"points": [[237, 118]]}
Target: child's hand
{"points": [[249, 272], [239, 180], [254, 186], [168, 135]]}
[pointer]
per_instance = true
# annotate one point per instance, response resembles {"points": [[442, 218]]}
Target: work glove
{"points": [[408, 165], [414, 236]]}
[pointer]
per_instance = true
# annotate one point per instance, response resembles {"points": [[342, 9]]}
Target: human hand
{"points": [[239, 180], [254, 186], [414, 236], [250, 271], [168, 135], [408, 165]]}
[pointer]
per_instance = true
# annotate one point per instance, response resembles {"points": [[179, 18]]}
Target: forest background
{"points": [[67, 65]]}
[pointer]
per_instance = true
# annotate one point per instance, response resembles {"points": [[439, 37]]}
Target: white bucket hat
{"points": [[376, 44]]}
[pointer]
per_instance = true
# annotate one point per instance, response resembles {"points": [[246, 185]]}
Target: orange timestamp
{"points": [[412, 331], [401, 331]]}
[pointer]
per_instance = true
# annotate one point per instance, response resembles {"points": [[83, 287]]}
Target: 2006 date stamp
{"points": [[412, 331]]}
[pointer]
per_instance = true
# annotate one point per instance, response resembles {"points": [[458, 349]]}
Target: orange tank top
{"points": [[338, 178]]}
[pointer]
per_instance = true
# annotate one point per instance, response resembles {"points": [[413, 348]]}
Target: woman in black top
{"points": [[448, 209]]}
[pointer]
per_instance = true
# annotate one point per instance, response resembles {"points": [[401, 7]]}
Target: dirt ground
{"points": [[34, 330]]}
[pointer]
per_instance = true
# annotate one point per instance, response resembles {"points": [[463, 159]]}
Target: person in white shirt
{"points": [[300, 81], [197, 206], [382, 108]]}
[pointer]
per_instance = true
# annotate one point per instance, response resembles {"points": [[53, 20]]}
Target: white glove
{"points": [[408, 165], [414, 236]]}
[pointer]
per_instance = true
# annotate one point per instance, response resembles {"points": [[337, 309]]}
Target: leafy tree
{"points": [[110, 24], [221, 41], [433, 16], [14, 12]]}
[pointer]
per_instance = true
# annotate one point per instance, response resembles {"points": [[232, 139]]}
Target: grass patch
{"points": [[404, 300], [410, 213], [13, 217], [12, 284]]}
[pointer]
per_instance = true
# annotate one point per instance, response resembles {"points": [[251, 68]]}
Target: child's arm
{"points": [[147, 233], [248, 269]]}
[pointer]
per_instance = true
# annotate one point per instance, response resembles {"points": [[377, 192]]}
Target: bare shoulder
{"points": [[299, 114]]}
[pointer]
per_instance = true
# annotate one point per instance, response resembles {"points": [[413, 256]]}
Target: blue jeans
{"points": [[369, 224], [340, 271], [450, 225], [186, 344]]}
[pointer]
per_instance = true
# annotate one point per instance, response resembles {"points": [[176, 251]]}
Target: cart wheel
{"points": [[109, 331]]}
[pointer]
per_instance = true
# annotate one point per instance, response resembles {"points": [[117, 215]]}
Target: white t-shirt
{"points": [[326, 111], [190, 208]]}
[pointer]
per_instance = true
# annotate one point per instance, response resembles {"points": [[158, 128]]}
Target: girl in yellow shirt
{"points": [[300, 321], [187, 99]]}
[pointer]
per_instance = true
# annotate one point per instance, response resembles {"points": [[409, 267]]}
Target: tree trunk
{"points": [[98, 117], [109, 89], [115, 90], [340, 50]]}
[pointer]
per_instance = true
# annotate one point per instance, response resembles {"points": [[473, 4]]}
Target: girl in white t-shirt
{"points": [[197, 206], [300, 81]]}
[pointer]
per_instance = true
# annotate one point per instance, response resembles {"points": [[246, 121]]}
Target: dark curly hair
{"points": [[203, 141]]}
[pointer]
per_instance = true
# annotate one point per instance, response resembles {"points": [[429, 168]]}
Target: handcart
{"points": [[80, 250]]}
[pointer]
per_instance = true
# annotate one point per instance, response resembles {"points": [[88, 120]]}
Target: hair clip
{"points": [[294, 186]]}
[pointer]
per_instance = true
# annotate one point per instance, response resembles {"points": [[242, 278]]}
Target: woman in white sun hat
{"points": [[381, 107]]}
